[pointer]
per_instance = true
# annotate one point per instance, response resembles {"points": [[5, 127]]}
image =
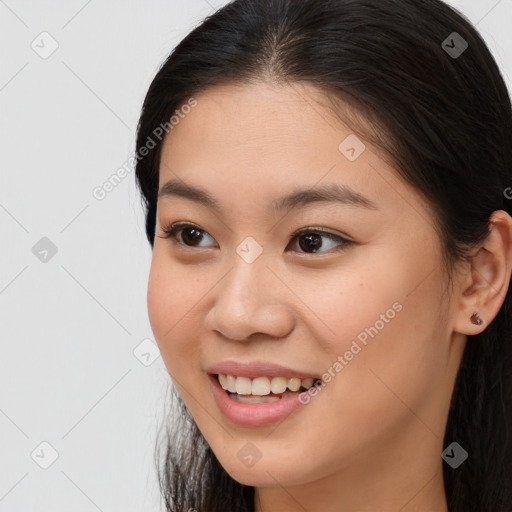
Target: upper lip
{"points": [[255, 369]]}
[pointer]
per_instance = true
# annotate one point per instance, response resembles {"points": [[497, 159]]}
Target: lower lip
{"points": [[253, 415]]}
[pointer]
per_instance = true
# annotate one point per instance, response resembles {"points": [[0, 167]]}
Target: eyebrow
{"points": [[332, 193]]}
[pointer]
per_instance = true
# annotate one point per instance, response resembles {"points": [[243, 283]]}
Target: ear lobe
{"points": [[488, 277]]}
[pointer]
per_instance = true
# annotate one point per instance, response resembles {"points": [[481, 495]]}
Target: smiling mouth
{"points": [[263, 389]]}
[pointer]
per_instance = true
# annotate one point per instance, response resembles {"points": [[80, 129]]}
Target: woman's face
{"points": [[365, 306]]}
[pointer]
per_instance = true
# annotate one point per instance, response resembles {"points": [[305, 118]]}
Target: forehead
{"points": [[260, 140], [252, 115]]}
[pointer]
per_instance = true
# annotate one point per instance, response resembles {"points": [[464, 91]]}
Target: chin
{"points": [[268, 471]]}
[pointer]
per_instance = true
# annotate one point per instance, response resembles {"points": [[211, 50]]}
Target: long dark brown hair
{"points": [[441, 113]]}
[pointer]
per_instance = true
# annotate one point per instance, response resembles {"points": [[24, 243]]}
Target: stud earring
{"points": [[476, 319]]}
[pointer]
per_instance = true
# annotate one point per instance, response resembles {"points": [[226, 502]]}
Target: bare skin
{"points": [[372, 438]]}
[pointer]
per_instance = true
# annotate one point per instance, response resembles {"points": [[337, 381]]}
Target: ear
{"points": [[485, 283]]}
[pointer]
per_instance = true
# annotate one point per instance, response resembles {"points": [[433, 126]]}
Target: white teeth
{"points": [[230, 383], [294, 384], [279, 384], [307, 383], [223, 379], [254, 399], [261, 386], [243, 386]]}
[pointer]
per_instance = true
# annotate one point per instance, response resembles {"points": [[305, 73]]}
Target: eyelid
{"points": [[319, 229]]}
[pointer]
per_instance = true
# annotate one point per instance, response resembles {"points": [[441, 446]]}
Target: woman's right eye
{"points": [[187, 230]]}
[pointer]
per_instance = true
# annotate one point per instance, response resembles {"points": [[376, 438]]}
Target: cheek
{"points": [[171, 293], [170, 297], [161, 299], [391, 352], [351, 306], [177, 298], [379, 329], [387, 304]]}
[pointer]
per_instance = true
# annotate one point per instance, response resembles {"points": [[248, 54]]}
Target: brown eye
{"points": [[311, 240], [185, 234], [191, 236]]}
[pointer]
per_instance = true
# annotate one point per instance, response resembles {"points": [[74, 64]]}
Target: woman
{"points": [[326, 201]]}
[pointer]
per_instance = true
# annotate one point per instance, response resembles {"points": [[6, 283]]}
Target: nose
{"points": [[251, 300]]}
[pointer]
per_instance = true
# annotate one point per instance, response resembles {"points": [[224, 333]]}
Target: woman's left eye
{"points": [[309, 239]]}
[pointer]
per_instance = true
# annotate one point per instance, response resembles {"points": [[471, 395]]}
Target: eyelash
{"points": [[172, 230]]}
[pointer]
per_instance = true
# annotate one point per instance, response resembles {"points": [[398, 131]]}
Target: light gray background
{"points": [[79, 368]]}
